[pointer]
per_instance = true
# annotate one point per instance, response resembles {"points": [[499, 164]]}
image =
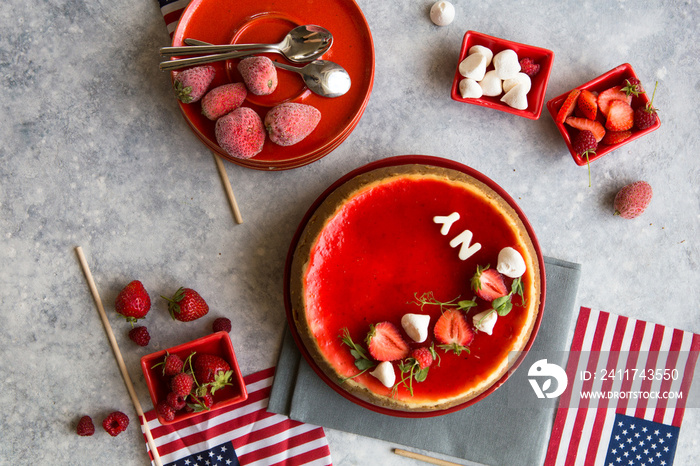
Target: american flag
{"points": [[632, 357], [244, 434], [172, 10]]}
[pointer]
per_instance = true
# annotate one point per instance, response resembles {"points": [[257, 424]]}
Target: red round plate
{"points": [[397, 161], [268, 21]]}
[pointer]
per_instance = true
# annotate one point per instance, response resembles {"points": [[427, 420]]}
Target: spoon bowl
{"points": [[322, 77]]}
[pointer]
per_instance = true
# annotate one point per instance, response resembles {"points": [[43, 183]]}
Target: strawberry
{"points": [[133, 302], [609, 95], [166, 411], [223, 99], [115, 423], [259, 74], [594, 127], [85, 427], [452, 330], [633, 199], [620, 116], [289, 123], [241, 133], [615, 137], [632, 86], [139, 335], [585, 145], [588, 104], [488, 284], [221, 324], [181, 384], [567, 108], [529, 67], [191, 84], [186, 305], [645, 117], [211, 372], [385, 343]]}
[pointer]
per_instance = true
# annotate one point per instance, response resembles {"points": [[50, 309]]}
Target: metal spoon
{"points": [[171, 65], [301, 44], [322, 77]]}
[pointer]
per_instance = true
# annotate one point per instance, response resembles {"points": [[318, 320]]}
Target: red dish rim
{"points": [[396, 161]]}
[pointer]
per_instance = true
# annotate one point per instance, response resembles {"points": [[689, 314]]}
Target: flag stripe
{"points": [[687, 380]]}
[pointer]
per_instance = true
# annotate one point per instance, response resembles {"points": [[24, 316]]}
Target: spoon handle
{"points": [[185, 62], [209, 49], [286, 67]]}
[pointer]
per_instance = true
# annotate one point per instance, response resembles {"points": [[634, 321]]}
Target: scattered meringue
{"points": [[506, 64], [516, 98], [442, 13], [384, 372], [416, 326], [485, 321], [491, 84], [470, 89], [485, 51], [474, 66], [519, 79], [510, 263]]}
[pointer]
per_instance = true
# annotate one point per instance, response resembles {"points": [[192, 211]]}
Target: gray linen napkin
{"points": [[492, 431]]}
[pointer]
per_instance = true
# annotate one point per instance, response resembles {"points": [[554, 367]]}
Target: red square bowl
{"points": [[614, 77], [535, 97], [218, 344]]}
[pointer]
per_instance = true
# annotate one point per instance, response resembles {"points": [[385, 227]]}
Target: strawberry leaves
{"points": [[362, 361]]}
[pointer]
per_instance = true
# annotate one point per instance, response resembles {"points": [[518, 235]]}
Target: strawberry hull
{"points": [[219, 344], [614, 77]]}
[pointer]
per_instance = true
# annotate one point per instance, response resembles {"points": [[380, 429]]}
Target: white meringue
{"points": [[416, 326], [519, 79], [474, 66], [485, 51], [511, 263], [516, 98], [384, 372], [506, 64], [491, 84], [485, 321], [442, 13], [470, 89]]}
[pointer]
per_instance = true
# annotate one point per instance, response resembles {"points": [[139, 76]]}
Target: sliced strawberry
{"points": [[488, 284], [567, 108], [588, 104], [452, 331], [620, 116], [594, 127], [608, 95], [615, 137], [385, 343]]}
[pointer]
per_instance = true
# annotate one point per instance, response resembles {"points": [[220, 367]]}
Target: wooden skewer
{"points": [[118, 355], [227, 187], [427, 459]]}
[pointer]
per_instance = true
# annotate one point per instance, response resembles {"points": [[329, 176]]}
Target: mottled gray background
{"points": [[94, 152]]}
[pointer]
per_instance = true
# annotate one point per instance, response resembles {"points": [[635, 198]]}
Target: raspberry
{"points": [[529, 67], [181, 384], [645, 117], [207, 400], [175, 401], [166, 411], [139, 335], [173, 364], [584, 143], [423, 356], [115, 423], [222, 324], [85, 426]]}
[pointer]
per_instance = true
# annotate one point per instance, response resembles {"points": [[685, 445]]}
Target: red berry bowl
{"points": [[614, 77], [218, 344], [535, 97]]}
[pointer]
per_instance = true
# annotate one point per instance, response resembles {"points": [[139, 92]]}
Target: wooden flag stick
{"points": [[227, 187], [118, 354], [427, 459]]}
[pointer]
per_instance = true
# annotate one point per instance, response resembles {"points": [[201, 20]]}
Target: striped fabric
{"points": [[172, 10], [243, 434], [626, 356]]}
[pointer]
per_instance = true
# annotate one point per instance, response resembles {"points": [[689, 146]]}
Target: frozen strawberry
{"points": [[453, 332], [529, 67], [385, 343], [568, 107], [615, 137], [115, 423], [133, 302], [582, 124], [259, 74], [488, 284], [85, 427], [191, 84], [289, 123], [223, 99], [633, 199], [620, 116], [609, 95], [588, 104], [241, 133]]}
